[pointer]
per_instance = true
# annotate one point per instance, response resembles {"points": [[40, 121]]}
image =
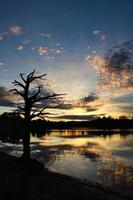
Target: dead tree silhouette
{"points": [[29, 107]]}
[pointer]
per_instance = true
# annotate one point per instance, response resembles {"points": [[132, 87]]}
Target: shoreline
{"points": [[30, 181]]}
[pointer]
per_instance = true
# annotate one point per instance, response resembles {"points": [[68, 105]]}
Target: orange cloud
{"points": [[42, 50], [16, 30], [115, 70]]}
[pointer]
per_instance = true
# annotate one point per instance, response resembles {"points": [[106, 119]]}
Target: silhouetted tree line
{"points": [[111, 123], [12, 126], [103, 123]]}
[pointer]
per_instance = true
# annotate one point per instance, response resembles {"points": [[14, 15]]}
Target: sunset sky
{"points": [[85, 47]]}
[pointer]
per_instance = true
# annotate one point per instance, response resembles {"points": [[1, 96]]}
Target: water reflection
{"points": [[116, 174], [103, 156], [106, 159]]}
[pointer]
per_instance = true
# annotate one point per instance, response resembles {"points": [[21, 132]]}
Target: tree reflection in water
{"points": [[116, 174], [92, 155]]}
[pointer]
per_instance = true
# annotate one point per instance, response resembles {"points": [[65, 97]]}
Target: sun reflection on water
{"points": [[102, 158]]}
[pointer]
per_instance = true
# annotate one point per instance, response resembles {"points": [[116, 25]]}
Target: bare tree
{"points": [[31, 100]]}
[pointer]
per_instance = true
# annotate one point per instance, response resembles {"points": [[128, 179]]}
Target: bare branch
{"points": [[35, 111], [47, 113], [46, 97], [38, 77], [41, 117], [22, 77], [21, 108], [30, 75], [37, 93], [31, 101], [41, 110], [39, 113], [56, 106], [17, 83], [15, 91]]}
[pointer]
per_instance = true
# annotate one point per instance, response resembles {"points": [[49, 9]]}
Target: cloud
{"points": [[62, 103], [86, 107], [3, 67], [124, 98], [1, 64], [115, 69], [97, 32], [6, 98], [87, 58], [90, 98], [48, 35], [127, 108], [56, 50], [120, 56], [33, 48], [57, 44], [58, 103], [123, 102], [42, 50], [86, 103], [9, 99], [2, 35], [102, 36], [50, 57], [20, 48], [26, 41], [91, 108], [77, 117], [16, 30], [49, 52], [83, 103]]}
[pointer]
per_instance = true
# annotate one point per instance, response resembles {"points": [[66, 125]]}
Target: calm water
{"points": [[94, 156]]}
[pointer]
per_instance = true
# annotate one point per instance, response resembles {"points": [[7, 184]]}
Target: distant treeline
{"points": [[103, 123], [12, 126]]}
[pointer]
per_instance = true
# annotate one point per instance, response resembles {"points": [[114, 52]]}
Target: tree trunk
{"points": [[26, 141]]}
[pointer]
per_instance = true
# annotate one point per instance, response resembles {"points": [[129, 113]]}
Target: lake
{"points": [[101, 156]]}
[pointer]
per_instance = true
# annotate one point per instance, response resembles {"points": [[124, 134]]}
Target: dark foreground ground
{"points": [[30, 181]]}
